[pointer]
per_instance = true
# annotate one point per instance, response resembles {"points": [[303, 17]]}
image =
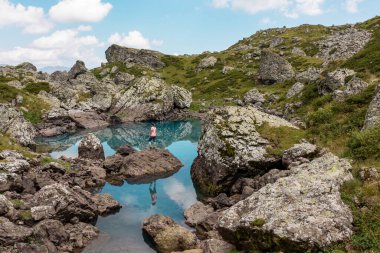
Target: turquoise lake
{"points": [[121, 232]]}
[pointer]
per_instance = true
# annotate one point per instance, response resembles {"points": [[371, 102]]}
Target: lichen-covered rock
{"points": [[12, 122], [254, 97], [91, 148], [231, 143], [354, 86], [27, 66], [334, 80], [302, 211], [274, 68], [106, 203], [13, 162], [373, 113], [11, 233], [122, 78], [146, 98], [197, 213], [298, 153], [276, 41], [309, 75], [78, 68], [207, 62], [167, 235], [182, 97], [66, 202], [42, 212], [59, 76], [6, 208], [143, 57], [295, 89], [343, 44]]}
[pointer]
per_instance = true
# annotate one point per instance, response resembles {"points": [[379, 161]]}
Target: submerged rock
{"points": [[302, 211], [167, 235], [91, 148]]}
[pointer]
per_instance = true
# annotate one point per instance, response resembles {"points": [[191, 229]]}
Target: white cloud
{"points": [[31, 19], [266, 20], [179, 193], [133, 39], [352, 5], [289, 8], [79, 11], [62, 47]]}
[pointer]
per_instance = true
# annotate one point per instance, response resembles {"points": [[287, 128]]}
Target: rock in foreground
{"points": [[167, 235], [300, 212], [91, 148]]}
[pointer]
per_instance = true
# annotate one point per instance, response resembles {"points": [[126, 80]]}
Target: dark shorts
{"points": [[152, 138]]}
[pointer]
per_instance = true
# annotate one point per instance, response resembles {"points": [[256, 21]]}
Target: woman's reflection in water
{"points": [[153, 192]]}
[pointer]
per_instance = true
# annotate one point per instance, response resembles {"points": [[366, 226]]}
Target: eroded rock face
{"points": [[274, 68], [150, 98], [91, 148], [230, 144], [78, 68], [354, 86], [167, 235], [302, 211], [373, 113], [334, 80], [143, 57], [343, 44], [12, 122]]}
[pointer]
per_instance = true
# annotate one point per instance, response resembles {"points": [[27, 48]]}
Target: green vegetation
{"points": [[25, 215], [35, 88], [84, 96], [258, 223], [32, 107], [365, 144], [7, 143], [281, 138], [228, 151], [46, 160]]}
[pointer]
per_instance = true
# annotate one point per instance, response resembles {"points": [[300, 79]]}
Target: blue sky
{"points": [[57, 32]]}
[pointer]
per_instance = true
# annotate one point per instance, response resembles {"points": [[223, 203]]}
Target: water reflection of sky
{"points": [[122, 232]]}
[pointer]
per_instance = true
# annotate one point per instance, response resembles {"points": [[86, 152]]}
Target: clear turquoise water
{"points": [[122, 232]]}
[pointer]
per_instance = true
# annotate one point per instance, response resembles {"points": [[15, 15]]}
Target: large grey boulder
{"points": [[78, 68], [309, 75], [373, 113], [274, 68], [143, 57], [149, 98], [303, 211], [230, 144], [27, 66], [12, 122], [88, 119], [91, 148], [254, 97], [167, 235], [354, 86], [343, 44], [207, 62]]}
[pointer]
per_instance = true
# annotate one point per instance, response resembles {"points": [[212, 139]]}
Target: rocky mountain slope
{"points": [[260, 100]]}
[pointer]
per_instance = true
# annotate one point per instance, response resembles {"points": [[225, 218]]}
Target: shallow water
{"points": [[122, 232]]}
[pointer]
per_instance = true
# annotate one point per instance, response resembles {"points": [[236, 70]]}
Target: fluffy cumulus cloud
{"points": [[79, 11], [352, 5], [289, 8], [62, 47], [134, 39], [30, 18]]}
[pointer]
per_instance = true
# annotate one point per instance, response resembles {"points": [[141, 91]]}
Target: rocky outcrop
{"points": [[12, 122], [334, 80], [88, 120], [309, 75], [231, 145], [274, 68], [354, 86], [295, 90], [91, 148], [167, 235], [27, 66], [373, 113], [301, 212], [254, 97], [143, 57], [207, 62], [343, 44], [78, 68], [149, 98], [197, 213], [276, 41], [144, 166], [299, 153]]}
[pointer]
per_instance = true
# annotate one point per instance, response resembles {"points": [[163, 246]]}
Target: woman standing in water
{"points": [[153, 192], [153, 134]]}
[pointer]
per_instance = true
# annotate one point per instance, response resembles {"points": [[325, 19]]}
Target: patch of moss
{"points": [[280, 138], [7, 143], [84, 96], [35, 88], [46, 160], [227, 151], [258, 223], [17, 203], [25, 214]]}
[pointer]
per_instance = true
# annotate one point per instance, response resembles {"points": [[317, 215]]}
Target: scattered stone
{"points": [[274, 68], [368, 174], [334, 80], [167, 235], [227, 69], [91, 148], [254, 97], [295, 90]]}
